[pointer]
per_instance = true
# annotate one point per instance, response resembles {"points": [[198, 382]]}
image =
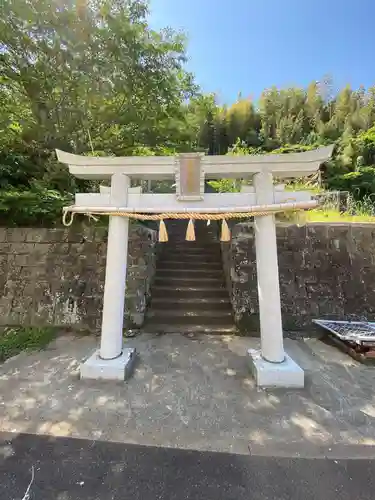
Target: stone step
{"points": [[198, 242], [189, 294], [199, 234], [189, 257], [150, 327], [198, 304], [183, 264], [186, 317], [193, 281], [190, 273], [190, 291], [192, 246]]}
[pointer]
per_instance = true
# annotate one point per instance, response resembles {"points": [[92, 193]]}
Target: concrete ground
{"points": [[195, 394]]}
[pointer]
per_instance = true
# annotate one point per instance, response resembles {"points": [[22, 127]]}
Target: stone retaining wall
{"points": [[326, 271], [56, 276]]}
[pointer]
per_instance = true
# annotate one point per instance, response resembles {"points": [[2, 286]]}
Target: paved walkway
{"points": [[194, 394]]}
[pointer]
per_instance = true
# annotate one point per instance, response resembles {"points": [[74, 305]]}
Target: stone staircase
{"points": [[189, 294]]}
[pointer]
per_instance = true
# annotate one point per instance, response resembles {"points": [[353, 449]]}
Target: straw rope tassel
{"points": [[301, 218], [225, 231], [64, 218], [190, 231], [163, 233]]}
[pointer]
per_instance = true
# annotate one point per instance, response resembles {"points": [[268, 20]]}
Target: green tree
{"points": [[86, 77], [91, 73]]}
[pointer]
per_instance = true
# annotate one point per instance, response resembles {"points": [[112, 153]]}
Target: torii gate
{"points": [[270, 365]]}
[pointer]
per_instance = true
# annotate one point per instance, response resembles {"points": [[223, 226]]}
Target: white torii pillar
{"points": [[112, 361], [270, 365]]}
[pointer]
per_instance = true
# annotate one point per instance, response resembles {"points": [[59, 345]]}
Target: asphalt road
{"points": [[75, 469]]}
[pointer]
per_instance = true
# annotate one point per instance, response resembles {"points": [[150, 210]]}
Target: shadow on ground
{"points": [[80, 469]]}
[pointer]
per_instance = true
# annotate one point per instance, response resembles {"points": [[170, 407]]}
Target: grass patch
{"points": [[301, 186], [353, 211], [336, 216], [15, 340]]}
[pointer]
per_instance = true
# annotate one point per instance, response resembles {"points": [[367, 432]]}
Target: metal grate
{"points": [[358, 332]]}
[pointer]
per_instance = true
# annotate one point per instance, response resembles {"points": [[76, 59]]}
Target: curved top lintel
{"points": [[291, 164]]}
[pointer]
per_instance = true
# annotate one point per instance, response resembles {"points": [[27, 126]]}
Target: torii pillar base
{"points": [[120, 368], [286, 374]]}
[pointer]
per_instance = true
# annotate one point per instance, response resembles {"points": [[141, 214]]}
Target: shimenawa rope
{"points": [[190, 233]]}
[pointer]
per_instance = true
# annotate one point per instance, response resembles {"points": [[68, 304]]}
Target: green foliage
{"points": [[15, 340], [93, 74], [87, 77], [294, 148], [360, 182], [32, 207], [240, 147], [336, 216], [356, 211], [353, 169], [225, 186], [361, 208], [93, 78], [364, 147]]}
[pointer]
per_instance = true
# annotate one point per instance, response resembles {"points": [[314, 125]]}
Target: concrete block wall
{"points": [[326, 271], [56, 276]]}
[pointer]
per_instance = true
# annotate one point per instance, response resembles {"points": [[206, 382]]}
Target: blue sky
{"points": [[248, 45]]}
